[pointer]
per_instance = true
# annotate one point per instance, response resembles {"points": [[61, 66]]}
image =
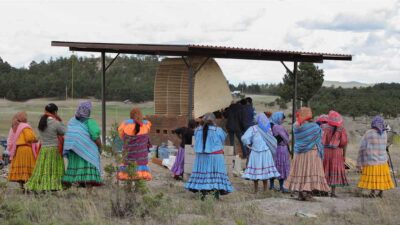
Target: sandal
{"points": [[380, 194], [333, 195], [371, 195]]}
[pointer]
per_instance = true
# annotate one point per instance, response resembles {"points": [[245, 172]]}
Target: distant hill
{"points": [[350, 84]]}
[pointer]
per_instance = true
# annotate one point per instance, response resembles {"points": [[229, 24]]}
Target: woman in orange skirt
{"points": [[373, 159], [21, 144]]}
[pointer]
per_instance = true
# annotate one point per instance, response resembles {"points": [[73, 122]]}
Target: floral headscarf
{"points": [[379, 124], [84, 109]]}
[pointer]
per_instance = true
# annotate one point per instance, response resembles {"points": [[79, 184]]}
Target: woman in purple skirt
{"points": [[282, 156], [185, 134]]}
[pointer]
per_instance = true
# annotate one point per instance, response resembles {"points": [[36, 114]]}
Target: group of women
{"points": [[318, 164]]}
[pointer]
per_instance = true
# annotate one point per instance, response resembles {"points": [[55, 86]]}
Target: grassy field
{"points": [[167, 202], [116, 111]]}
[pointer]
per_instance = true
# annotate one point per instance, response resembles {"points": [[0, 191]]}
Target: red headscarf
{"points": [[335, 119], [303, 114]]}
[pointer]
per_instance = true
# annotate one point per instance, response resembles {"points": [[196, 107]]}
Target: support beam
{"points": [[112, 61], [294, 100], [191, 75], [103, 98]]}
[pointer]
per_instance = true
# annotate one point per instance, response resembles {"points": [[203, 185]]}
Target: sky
{"points": [[367, 29]]}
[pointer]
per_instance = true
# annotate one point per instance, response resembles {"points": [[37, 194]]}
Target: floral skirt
{"points": [[376, 177], [81, 171], [48, 171], [307, 173], [22, 164]]}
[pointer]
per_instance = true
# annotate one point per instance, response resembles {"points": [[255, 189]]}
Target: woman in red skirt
{"points": [[334, 140]]}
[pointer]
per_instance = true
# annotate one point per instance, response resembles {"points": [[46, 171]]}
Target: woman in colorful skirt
{"points": [[22, 147], [186, 135], [82, 148], [307, 173], [282, 157], [334, 139], [263, 145], [134, 133], [209, 171], [373, 159], [49, 167]]}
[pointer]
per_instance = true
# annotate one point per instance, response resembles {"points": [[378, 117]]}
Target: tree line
{"points": [[130, 77]]}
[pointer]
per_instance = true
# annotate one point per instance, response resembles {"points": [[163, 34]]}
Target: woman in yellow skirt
{"points": [[21, 144], [373, 159]]}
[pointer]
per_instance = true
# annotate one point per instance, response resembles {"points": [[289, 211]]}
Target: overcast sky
{"points": [[367, 29]]}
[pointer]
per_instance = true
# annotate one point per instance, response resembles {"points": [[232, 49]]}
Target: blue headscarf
{"points": [[277, 118], [263, 122], [83, 110]]}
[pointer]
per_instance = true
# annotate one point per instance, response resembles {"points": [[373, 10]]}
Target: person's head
{"points": [[335, 119], [263, 122], [84, 109], [208, 120], [48, 109], [249, 101], [277, 118], [303, 114], [136, 114], [268, 114], [19, 117], [243, 101], [322, 119], [192, 124], [378, 123]]}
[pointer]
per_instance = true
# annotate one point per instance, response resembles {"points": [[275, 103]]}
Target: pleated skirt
{"points": [[376, 177], [261, 166], [80, 171], [142, 173], [209, 174], [48, 171], [177, 168], [334, 169], [307, 173], [22, 165]]}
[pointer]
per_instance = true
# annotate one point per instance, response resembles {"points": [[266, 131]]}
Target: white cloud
{"points": [[366, 29]]}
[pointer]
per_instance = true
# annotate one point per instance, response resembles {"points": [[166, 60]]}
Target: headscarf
{"points": [[209, 117], [263, 122], [84, 109], [379, 124], [303, 114], [322, 119], [19, 117], [268, 114], [335, 119], [137, 116], [277, 118]]}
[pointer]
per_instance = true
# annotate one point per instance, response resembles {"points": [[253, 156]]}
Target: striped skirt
{"points": [[22, 165], [209, 174], [48, 171], [335, 172], [376, 177], [307, 173], [261, 166]]}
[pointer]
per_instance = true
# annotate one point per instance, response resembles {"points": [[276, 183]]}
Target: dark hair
{"points": [[205, 132], [249, 100], [192, 124], [50, 108], [243, 101]]}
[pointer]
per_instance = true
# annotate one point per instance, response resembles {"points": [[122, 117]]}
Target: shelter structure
{"points": [[187, 52]]}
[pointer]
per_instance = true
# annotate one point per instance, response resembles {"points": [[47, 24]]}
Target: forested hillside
{"points": [[128, 78]]}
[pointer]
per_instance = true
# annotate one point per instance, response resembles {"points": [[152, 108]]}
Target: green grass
{"points": [[116, 111]]}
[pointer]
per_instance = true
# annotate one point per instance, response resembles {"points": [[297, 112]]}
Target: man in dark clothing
{"points": [[247, 119], [233, 115]]}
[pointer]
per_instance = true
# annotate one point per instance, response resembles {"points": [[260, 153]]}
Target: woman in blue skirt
{"points": [[263, 145], [209, 171]]}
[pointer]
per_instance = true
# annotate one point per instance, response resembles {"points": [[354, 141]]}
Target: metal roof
{"points": [[202, 50]]}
